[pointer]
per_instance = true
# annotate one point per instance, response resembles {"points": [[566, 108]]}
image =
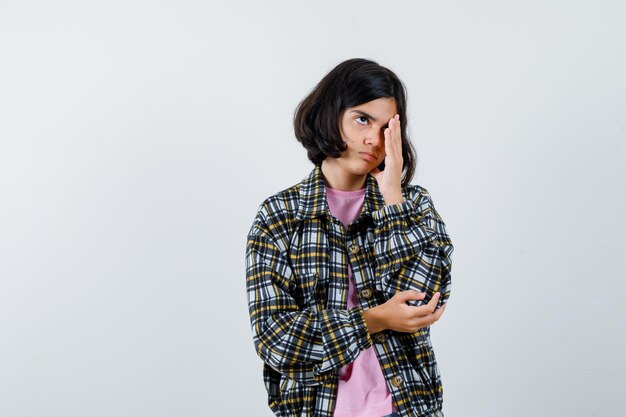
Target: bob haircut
{"points": [[349, 84]]}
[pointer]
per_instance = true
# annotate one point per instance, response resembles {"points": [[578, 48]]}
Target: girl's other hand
{"points": [[396, 314]]}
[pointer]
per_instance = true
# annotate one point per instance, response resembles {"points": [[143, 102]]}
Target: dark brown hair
{"points": [[349, 84]]}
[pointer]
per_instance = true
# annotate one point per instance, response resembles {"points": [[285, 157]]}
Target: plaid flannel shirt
{"points": [[297, 257]]}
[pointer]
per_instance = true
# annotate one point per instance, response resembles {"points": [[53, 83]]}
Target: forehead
{"points": [[382, 109]]}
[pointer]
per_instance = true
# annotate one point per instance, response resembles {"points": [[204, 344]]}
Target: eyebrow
{"points": [[369, 116], [365, 114]]}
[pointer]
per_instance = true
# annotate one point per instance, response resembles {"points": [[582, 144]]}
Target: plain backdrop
{"points": [[138, 138]]}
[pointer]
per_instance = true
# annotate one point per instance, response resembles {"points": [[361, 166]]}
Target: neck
{"points": [[337, 178]]}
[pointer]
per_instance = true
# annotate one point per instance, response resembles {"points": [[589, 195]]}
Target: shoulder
{"points": [[281, 205], [277, 213]]}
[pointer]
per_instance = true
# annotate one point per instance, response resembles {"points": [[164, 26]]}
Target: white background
{"points": [[138, 138]]}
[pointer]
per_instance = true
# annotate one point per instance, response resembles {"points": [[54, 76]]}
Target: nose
{"points": [[375, 138]]}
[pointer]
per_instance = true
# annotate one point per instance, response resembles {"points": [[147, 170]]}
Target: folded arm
{"points": [[412, 249]]}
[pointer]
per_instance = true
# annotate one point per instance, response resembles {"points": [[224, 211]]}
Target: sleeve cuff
{"points": [[393, 213], [401, 216], [362, 332]]}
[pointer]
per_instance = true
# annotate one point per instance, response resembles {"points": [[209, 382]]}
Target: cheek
{"points": [[351, 133], [347, 136]]}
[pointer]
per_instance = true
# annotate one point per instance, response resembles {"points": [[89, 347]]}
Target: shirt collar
{"points": [[313, 201]]}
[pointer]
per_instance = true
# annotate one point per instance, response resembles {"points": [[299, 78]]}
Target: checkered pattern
{"points": [[297, 257]]}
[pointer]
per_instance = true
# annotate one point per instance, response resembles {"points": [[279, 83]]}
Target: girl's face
{"points": [[362, 128]]}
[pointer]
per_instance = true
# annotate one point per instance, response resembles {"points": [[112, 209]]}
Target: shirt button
{"points": [[397, 380], [366, 293], [353, 248], [380, 337]]}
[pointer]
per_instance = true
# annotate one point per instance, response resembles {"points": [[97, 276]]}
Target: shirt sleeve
{"points": [[303, 344], [412, 249]]}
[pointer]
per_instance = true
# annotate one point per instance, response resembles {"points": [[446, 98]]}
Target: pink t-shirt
{"points": [[362, 391]]}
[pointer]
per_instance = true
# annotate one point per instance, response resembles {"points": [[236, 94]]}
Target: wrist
{"points": [[395, 200], [374, 319], [393, 197]]}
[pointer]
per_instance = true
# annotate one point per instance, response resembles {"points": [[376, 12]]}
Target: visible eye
{"points": [[361, 117]]}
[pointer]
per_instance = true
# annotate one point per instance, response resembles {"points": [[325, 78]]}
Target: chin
{"points": [[363, 167]]}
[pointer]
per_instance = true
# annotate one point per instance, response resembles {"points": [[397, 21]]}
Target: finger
{"points": [[398, 135], [393, 133], [436, 315], [432, 304], [426, 321], [435, 298], [440, 311], [411, 295], [427, 309], [387, 133]]}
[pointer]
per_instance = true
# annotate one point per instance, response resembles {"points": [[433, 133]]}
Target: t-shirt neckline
{"points": [[346, 193]]}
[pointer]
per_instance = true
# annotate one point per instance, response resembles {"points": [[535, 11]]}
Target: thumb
{"points": [[410, 295]]}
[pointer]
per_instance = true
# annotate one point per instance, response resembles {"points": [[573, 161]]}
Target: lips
{"points": [[368, 156]]}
